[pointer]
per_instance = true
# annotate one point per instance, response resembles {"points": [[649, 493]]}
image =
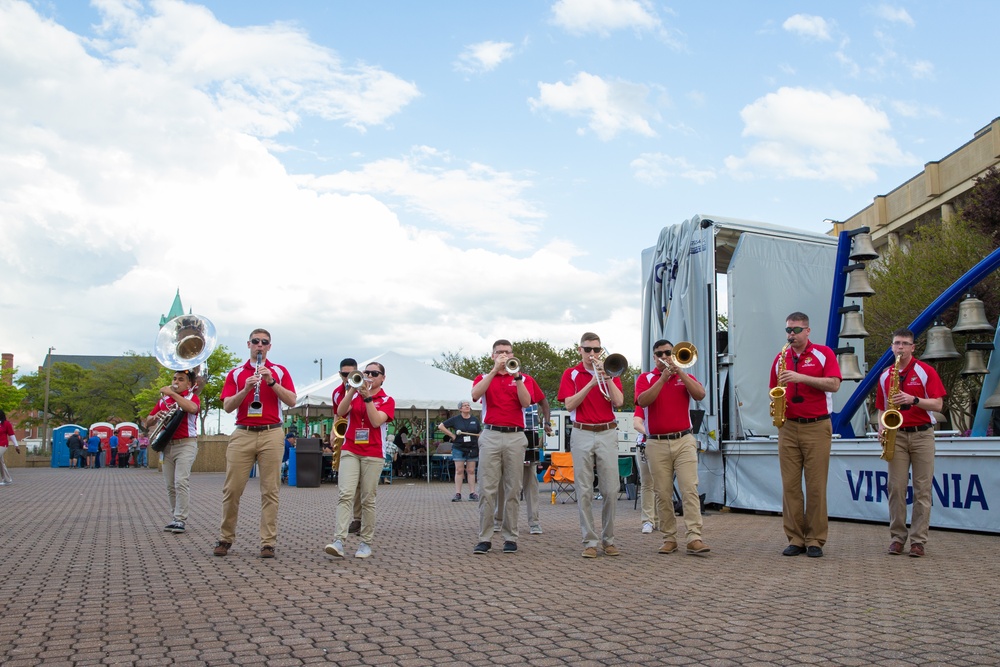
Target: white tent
{"points": [[413, 385]]}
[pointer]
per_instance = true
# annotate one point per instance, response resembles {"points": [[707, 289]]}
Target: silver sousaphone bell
{"points": [[185, 342]]}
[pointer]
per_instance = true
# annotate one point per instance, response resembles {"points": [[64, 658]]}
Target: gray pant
{"points": [[592, 450], [501, 460], [529, 487], [178, 458]]}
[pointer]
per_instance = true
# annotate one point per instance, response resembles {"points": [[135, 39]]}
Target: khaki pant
{"points": [[501, 460], [178, 458], [529, 489], [647, 494], [246, 448], [358, 478], [804, 451], [592, 450], [914, 450], [676, 457]]}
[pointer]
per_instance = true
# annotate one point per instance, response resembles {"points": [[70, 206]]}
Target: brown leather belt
{"points": [[265, 427], [597, 428], [670, 436], [503, 429], [914, 429], [808, 420]]}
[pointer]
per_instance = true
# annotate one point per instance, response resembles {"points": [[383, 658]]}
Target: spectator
{"points": [[75, 445], [6, 435]]}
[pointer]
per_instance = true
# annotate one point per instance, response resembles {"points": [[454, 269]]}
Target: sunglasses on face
{"points": [[260, 341], [794, 330], [589, 350], [344, 374], [664, 353], [373, 374]]}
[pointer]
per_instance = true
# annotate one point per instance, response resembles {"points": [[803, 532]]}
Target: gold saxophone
{"points": [[891, 418], [339, 431], [778, 393]]}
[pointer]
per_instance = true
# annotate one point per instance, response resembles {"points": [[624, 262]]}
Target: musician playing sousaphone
{"points": [[463, 430], [180, 452], [810, 375], [919, 394]]}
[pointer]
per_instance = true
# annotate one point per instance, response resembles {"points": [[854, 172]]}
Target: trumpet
{"points": [[685, 355], [356, 379], [610, 365], [513, 366], [256, 407]]}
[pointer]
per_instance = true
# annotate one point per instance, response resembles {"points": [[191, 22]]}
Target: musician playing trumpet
{"points": [[179, 455], [348, 365], [920, 393], [811, 375]]}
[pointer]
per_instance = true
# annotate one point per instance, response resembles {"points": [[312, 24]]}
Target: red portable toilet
{"points": [[104, 431], [126, 432]]}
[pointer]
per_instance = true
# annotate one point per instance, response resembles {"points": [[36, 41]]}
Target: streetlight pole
{"points": [[45, 410], [320, 362]]}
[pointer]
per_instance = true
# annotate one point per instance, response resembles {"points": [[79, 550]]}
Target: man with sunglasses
{"points": [[347, 366], [811, 375], [258, 438], [664, 395], [594, 442], [920, 394]]}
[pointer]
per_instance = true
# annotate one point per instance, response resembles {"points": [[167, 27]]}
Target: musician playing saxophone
{"points": [[178, 457], [811, 375], [920, 393]]}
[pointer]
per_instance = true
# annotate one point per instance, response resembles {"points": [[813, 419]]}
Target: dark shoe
{"points": [[222, 548], [473, 496], [267, 552], [178, 527], [457, 498], [169, 528], [896, 548], [814, 552], [510, 547], [793, 550], [355, 527], [482, 548], [917, 550]]}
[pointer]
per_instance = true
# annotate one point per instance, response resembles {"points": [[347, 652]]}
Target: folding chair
{"points": [[624, 473], [560, 476]]}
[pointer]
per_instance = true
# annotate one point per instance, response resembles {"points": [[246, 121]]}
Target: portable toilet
{"points": [[104, 431], [60, 451], [127, 432]]}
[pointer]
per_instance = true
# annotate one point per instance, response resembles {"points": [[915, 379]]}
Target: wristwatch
{"points": [[916, 400], [272, 383]]}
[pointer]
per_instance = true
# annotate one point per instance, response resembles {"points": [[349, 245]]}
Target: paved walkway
{"points": [[89, 578]]}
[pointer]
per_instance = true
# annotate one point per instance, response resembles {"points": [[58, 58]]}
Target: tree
{"points": [[10, 394], [112, 388], [66, 398], [982, 208]]}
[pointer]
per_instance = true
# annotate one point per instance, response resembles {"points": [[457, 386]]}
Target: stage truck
{"points": [[754, 275]]}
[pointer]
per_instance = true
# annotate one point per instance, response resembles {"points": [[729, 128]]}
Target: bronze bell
{"points": [[857, 281], [848, 362], [854, 323], [972, 317], [975, 358], [862, 249], [994, 399], [939, 344]]}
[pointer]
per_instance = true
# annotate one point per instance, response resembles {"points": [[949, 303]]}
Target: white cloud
{"points": [[806, 25], [921, 69], [658, 169], [610, 106], [484, 56], [808, 134], [894, 14], [581, 17]]}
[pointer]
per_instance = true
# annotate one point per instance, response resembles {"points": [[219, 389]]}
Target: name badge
{"points": [[361, 436], [466, 438]]}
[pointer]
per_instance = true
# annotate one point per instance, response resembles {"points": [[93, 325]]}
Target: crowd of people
{"points": [[91, 451]]}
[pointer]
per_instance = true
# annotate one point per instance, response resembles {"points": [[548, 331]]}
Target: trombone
{"points": [[685, 355], [612, 365]]}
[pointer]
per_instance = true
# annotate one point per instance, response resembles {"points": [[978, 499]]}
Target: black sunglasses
{"points": [[588, 350], [664, 353], [373, 374], [794, 330], [344, 374], [260, 341]]}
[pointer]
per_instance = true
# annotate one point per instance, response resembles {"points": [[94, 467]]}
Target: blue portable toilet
{"points": [[60, 452]]}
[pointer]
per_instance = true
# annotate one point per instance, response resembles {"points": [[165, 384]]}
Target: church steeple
{"points": [[176, 309]]}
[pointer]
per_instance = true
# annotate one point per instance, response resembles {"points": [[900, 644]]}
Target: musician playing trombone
{"points": [[180, 452], [255, 390], [591, 396], [664, 395]]}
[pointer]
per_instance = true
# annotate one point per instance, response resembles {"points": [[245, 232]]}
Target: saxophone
{"points": [[891, 418], [778, 393], [339, 432]]}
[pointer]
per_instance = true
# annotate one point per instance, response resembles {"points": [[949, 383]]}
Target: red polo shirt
{"points": [[917, 379], [362, 438], [501, 406], [237, 379], [188, 428], [595, 408], [815, 361], [670, 412]]}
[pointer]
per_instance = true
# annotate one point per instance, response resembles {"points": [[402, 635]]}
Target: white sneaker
{"points": [[364, 551], [647, 528], [535, 530], [336, 549], [496, 527]]}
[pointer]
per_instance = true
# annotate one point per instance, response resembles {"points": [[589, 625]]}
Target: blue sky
{"points": [[427, 177]]}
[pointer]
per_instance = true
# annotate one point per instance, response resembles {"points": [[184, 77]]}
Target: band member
{"points": [[529, 474], [504, 396], [348, 366], [591, 397], [647, 495], [665, 396], [368, 410], [811, 375], [463, 430], [255, 390], [920, 392], [7, 438], [179, 455]]}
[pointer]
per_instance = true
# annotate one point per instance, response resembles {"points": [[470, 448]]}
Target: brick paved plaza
{"points": [[90, 578]]}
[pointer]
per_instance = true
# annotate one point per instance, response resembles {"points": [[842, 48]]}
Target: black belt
{"points": [[503, 429], [265, 427], [595, 427], [670, 436], [914, 429], [808, 420]]}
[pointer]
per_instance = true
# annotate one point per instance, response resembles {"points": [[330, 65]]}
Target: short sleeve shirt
{"points": [[917, 379], [801, 400], [670, 412], [501, 406], [237, 379], [595, 408]]}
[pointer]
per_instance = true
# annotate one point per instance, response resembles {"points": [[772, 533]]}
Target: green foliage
{"points": [[66, 395], [112, 389], [10, 394], [982, 207]]}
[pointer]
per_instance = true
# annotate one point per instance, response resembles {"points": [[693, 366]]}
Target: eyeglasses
{"points": [[373, 374], [794, 330], [664, 353], [588, 350], [260, 341], [904, 343]]}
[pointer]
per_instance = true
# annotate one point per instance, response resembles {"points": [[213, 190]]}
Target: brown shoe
{"points": [[896, 548], [355, 527], [611, 550], [222, 548], [697, 547], [668, 548], [267, 552], [917, 550], [590, 552]]}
